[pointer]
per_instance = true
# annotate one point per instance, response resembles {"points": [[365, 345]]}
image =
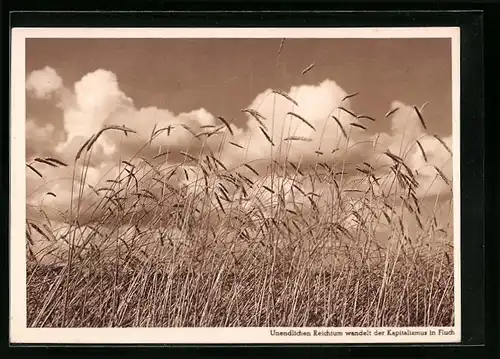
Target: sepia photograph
{"points": [[235, 185]]}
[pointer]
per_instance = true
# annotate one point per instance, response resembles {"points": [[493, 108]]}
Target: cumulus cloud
{"points": [[97, 101], [97, 96], [175, 132], [45, 138], [298, 130], [43, 83], [59, 182], [431, 181], [318, 127], [423, 159]]}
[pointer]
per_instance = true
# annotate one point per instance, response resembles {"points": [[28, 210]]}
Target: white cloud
{"points": [[437, 155], [316, 105], [97, 96], [37, 131], [406, 130], [44, 135], [404, 121], [172, 135], [43, 83], [97, 100], [98, 93]]}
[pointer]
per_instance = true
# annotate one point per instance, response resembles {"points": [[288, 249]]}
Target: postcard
{"points": [[235, 185]]}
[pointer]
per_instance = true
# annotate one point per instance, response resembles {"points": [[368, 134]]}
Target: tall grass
{"points": [[238, 247]]}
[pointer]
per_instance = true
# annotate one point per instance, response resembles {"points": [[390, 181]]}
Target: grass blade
{"points": [[341, 127], [302, 119], [420, 116], [34, 170], [285, 95], [226, 124], [308, 68]]}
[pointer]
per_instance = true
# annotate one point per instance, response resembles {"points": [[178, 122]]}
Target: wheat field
{"points": [[206, 257], [217, 236]]}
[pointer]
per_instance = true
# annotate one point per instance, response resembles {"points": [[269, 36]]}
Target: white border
{"points": [[238, 33], [18, 331]]}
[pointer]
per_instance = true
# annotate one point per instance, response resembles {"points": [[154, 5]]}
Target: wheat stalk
{"points": [[357, 125], [267, 136], [308, 68], [391, 112], [298, 138], [420, 116], [340, 125], [441, 174], [281, 46], [34, 170], [422, 150], [286, 96], [226, 124], [235, 144], [361, 117], [443, 144], [347, 111], [302, 119], [41, 160]]}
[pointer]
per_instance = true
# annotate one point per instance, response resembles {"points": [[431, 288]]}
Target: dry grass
{"points": [[232, 250]]}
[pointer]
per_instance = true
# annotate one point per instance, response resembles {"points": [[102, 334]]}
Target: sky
{"points": [[225, 75], [76, 86]]}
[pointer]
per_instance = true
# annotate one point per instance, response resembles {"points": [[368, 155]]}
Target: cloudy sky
{"points": [[225, 75], [75, 86]]}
